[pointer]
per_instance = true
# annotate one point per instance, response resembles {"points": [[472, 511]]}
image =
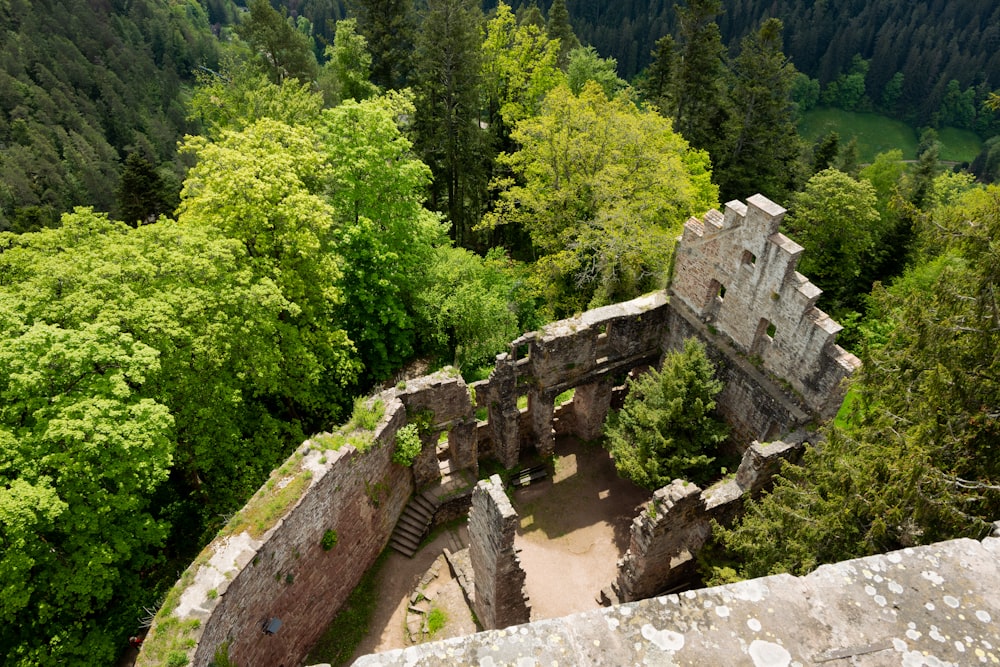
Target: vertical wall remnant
{"points": [[499, 580]]}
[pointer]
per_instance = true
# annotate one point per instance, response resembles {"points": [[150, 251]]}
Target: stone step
{"points": [[404, 545], [415, 523], [426, 501], [407, 531]]}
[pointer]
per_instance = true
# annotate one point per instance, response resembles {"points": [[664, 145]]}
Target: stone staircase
{"points": [[412, 526]]}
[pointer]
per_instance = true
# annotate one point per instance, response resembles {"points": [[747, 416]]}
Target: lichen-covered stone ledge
{"points": [[935, 605]]}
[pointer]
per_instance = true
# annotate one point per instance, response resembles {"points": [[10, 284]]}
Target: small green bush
{"points": [[329, 540], [407, 445], [365, 415], [177, 659], [436, 620]]}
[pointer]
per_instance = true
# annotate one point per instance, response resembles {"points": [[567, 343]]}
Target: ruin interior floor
{"points": [[574, 528]]}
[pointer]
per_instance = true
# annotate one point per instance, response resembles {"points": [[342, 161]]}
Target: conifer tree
{"points": [[656, 85], [559, 28], [698, 92], [390, 28], [448, 82], [763, 143]]}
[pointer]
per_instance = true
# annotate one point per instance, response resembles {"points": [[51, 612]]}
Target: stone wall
{"points": [[736, 273], [676, 523], [929, 605], [500, 598]]}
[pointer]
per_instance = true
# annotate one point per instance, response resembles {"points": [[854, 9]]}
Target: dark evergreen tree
{"points": [[825, 152], [284, 51], [698, 92], [447, 81], [659, 76], [142, 195], [390, 27], [559, 28], [922, 177], [764, 147]]}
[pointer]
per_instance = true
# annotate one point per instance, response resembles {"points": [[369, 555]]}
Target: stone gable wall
{"points": [[736, 273]]}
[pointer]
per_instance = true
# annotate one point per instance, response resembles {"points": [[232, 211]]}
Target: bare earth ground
{"points": [[574, 527]]}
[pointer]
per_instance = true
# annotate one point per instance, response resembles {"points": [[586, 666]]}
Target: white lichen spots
{"points": [[935, 634], [895, 588], [753, 624], [894, 558], [870, 590], [929, 606], [868, 575], [960, 647], [769, 654], [708, 604], [932, 577], [750, 591], [525, 661], [487, 662], [597, 643], [913, 634], [690, 595], [951, 601], [613, 623], [722, 610], [899, 645], [879, 600], [625, 611], [981, 654], [983, 616], [878, 579], [665, 640]]}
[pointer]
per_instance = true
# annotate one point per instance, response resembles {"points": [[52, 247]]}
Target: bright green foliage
{"points": [[916, 461], [836, 220], [260, 187], [519, 68], [666, 429], [469, 308], [382, 231], [346, 74], [763, 145], [585, 64], [284, 51], [241, 96], [81, 452], [407, 445], [603, 189]]}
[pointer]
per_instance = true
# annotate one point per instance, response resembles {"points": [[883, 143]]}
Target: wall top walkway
{"points": [[932, 605]]}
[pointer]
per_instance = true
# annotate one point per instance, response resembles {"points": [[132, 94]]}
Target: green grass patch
{"points": [[565, 397], [280, 492], [436, 620], [366, 414], [342, 636], [959, 145], [877, 134], [846, 408]]}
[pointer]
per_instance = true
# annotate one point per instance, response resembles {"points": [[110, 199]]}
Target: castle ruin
{"points": [[265, 594]]}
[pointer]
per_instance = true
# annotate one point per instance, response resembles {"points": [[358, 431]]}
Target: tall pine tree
{"points": [[389, 27], [448, 82], [559, 28], [698, 92]]}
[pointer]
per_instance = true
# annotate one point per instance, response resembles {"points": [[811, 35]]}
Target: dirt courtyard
{"points": [[574, 527]]}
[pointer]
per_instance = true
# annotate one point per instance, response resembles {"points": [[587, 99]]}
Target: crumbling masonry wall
{"points": [[500, 599], [673, 527]]}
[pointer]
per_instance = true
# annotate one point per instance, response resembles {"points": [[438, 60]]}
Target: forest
{"points": [[221, 223]]}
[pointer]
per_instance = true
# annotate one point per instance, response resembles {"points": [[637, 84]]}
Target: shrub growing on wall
{"points": [[666, 429], [407, 445]]}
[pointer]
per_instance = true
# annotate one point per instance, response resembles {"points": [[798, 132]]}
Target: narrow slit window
{"points": [[749, 258], [722, 291], [771, 330]]}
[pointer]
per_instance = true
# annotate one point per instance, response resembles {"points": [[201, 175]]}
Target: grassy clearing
{"points": [[877, 134]]}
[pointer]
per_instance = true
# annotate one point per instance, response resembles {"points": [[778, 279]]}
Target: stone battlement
{"points": [[736, 273]]}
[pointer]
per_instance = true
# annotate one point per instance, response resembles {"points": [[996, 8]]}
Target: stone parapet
{"points": [[931, 605]]}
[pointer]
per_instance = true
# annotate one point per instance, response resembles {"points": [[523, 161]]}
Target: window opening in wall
{"points": [[771, 330], [749, 258], [722, 291], [521, 352], [522, 401]]}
